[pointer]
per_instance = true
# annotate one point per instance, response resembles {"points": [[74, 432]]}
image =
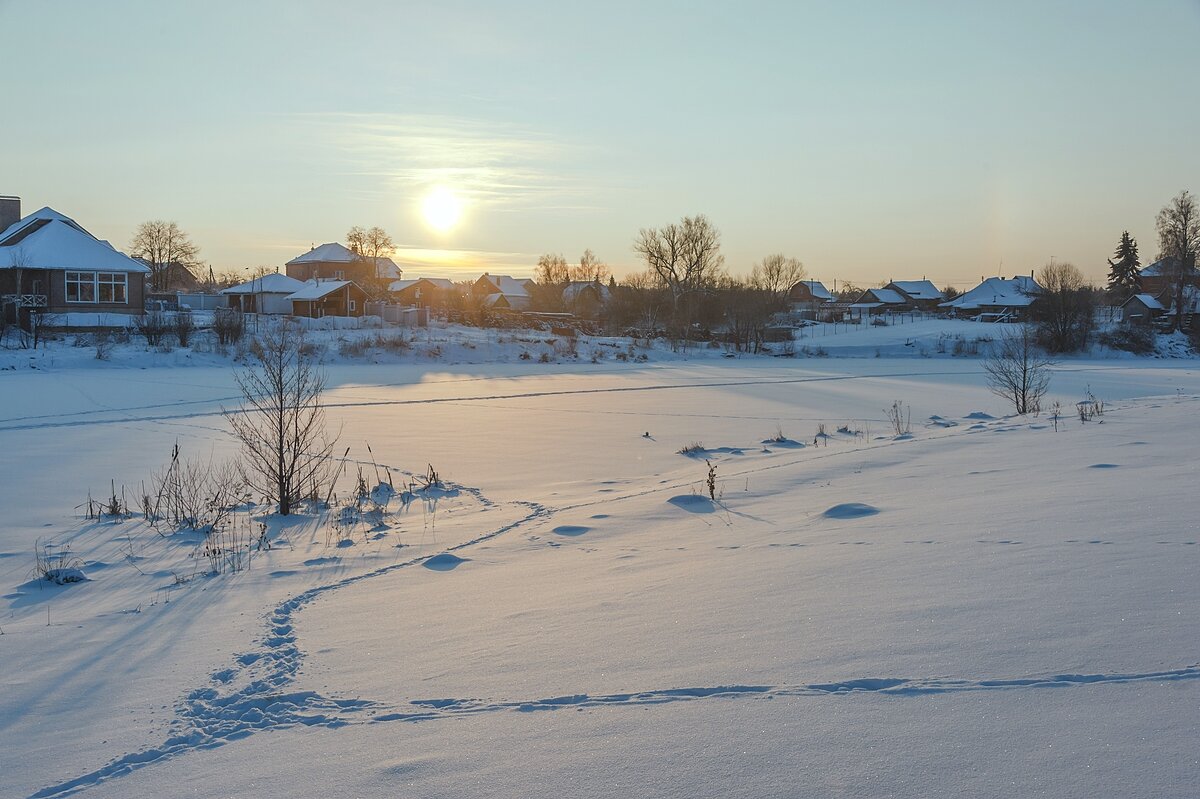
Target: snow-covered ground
{"points": [[987, 607]]}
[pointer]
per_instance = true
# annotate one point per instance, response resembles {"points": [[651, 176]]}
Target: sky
{"points": [[872, 141]]}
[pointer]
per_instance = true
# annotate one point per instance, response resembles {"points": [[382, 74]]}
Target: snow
{"points": [[885, 296], [1018, 292], [979, 610], [315, 290], [333, 252], [918, 289], [274, 283], [58, 242], [817, 290]]}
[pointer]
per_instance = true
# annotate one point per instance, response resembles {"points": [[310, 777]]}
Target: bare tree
{"points": [[1064, 312], [1178, 226], [686, 258], [777, 274], [373, 245], [590, 268], [1019, 371], [552, 270], [286, 451], [160, 244]]}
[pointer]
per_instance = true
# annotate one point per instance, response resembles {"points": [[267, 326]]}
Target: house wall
{"points": [[358, 271]]}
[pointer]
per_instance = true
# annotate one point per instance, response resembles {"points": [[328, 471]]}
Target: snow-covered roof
{"points": [[315, 290], [274, 283], [335, 253], [1149, 300], [816, 289], [436, 282], [885, 296], [573, 289], [47, 239], [508, 285], [919, 289], [1163, 267], [1019, 292]]}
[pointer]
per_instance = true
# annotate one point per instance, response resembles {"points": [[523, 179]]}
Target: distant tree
{"points": [[847, 293], [949, 292], [159, 244], [1064, 314], [590, 268], [550, 277], [1178, 226], [552, 270], [777, 274], [1124, 272], [686, 259], [747, 309], [286, 451], [373, 245], [1018, 370]]}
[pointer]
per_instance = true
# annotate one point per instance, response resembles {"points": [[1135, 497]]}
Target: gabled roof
{"points": [[47, 239], [508, 285], [274, 283], [335, 253], [1019, 292], [918, 289], [816, 288], [1163, 267], [1149, 300], [884, 296], [573, 289], [436, 282], [315, 290]]}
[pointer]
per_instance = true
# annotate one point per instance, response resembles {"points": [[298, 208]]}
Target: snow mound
{"points": [[851, 510], [1105, 466], [693, 503], [66, 575], [444, 562], [783, 442], [938, 421], [978, 415], [571, 529]]}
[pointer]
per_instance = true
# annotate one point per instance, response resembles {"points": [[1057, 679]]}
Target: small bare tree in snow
{"points": [[1019, 371], [287, 452]]}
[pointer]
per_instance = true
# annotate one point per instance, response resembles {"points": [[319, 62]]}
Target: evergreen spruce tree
{"points": [[1125, 273]]}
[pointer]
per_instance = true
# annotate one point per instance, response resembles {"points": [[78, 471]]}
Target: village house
{"points": [[321, 298], [422, 292], [921, 295], [334, 261], [268, 294], [879, 301], [1158, 279], [587, 299], [503, 292], [996, 299], [49, 264], [1141, 309]]}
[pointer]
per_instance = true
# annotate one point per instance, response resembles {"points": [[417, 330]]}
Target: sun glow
{"points": [[442, 209]]}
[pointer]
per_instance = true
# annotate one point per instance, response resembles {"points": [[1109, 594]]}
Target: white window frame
{"points": [[92, 281], [339, 274], [351, 307], [80, 281], [113, 280]]}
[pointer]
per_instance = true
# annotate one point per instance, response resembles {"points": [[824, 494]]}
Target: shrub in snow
{"points": [[1018, 371], [57, 565]]}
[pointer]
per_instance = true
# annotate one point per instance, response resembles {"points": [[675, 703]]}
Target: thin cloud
{"points": [[487, 163]]}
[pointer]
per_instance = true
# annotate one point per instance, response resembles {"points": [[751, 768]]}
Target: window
{"points": [[81, 286], [352, 306], [340, 274], [98, 287], [111, 287]]}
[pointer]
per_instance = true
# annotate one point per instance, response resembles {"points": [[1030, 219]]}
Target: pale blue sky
{"points": [[870, 140]]}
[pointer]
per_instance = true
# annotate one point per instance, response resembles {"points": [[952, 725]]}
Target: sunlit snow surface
{"points": [[985, 608]]}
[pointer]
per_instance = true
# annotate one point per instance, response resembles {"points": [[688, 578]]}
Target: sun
{"points": [[442, 209]]}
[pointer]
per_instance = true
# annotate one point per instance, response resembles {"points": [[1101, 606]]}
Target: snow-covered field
{"points": [[987, 607]]}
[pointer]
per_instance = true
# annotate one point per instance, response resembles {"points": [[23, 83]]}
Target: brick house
{"points": [[50, 265]]}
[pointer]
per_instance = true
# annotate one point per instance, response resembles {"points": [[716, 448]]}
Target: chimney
{"points": [[10, 211]]}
